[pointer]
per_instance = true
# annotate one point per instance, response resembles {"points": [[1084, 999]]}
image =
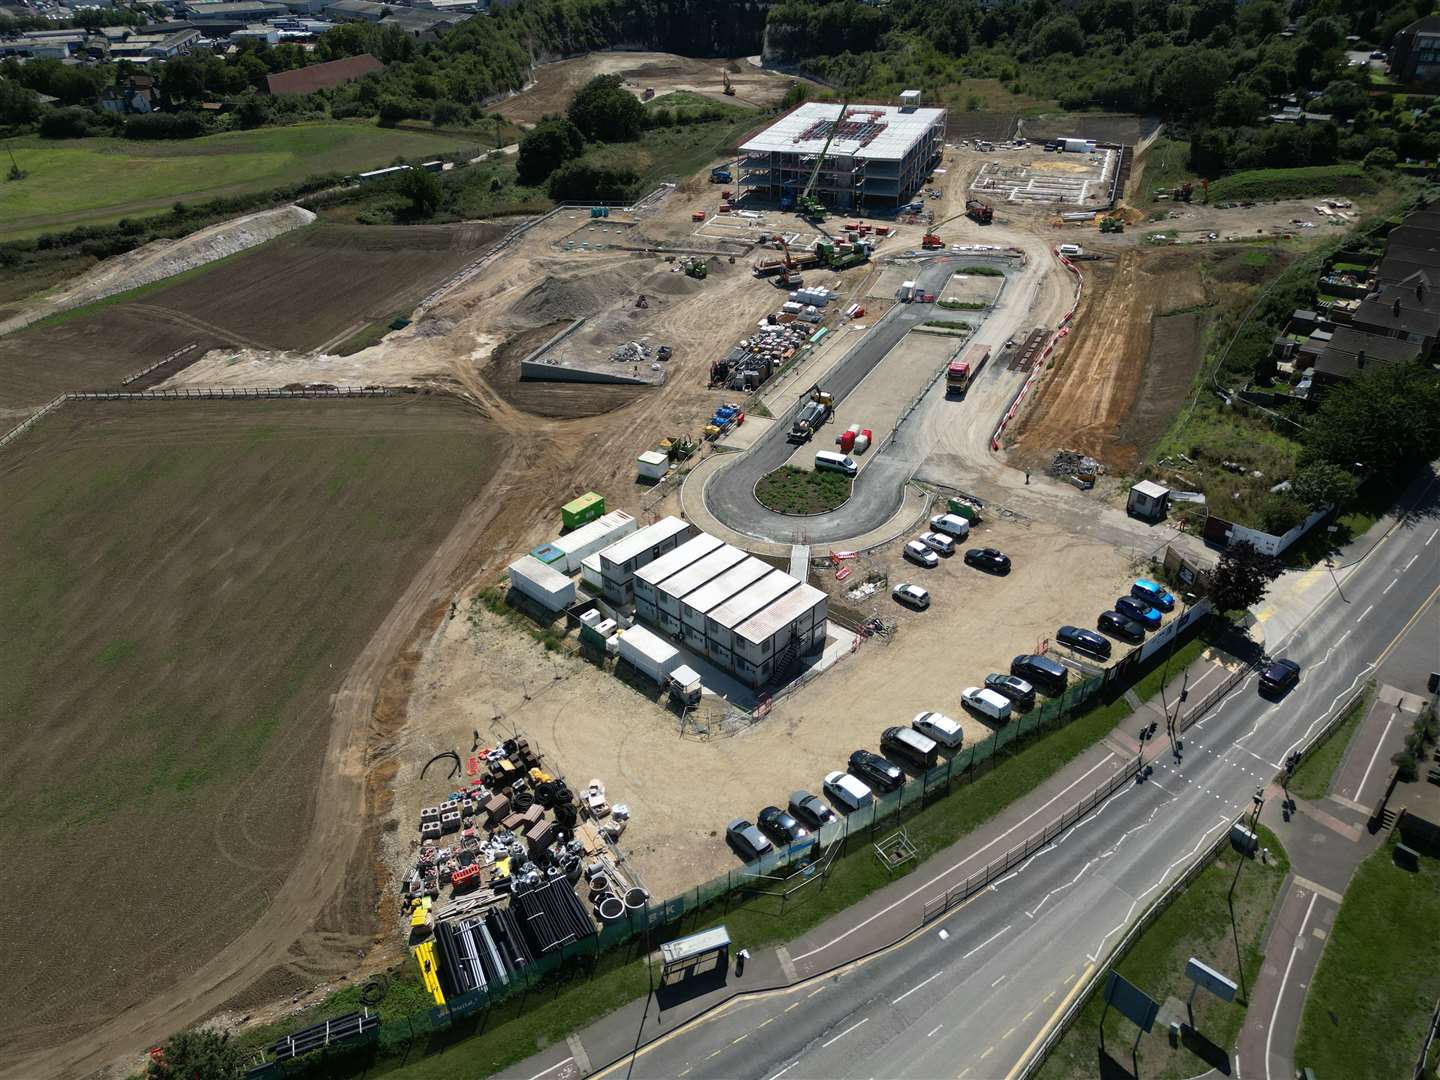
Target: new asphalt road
{"points": [[974, 993]]}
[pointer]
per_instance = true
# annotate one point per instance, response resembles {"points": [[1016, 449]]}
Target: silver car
{"points": [[911, 596], [938, 543], [939, 727], [921, 555]]}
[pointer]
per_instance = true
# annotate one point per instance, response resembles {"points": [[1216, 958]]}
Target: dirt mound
{"points": [[570, 298]]}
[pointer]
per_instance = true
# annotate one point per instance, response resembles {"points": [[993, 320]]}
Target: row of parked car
{"points": [[1129, 620], [929, 548]]}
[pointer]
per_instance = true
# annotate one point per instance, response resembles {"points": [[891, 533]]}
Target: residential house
{"points": [[132, 94], [1415, 51], [1350, 352]]}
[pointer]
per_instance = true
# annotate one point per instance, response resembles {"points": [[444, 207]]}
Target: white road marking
{"points": [[552, 1068], [1411, 562], [937, 1028], [783, 1071], [997, 982], [945, 873], [1280, 995], [842, 1034], [1389, 587], [917, 986], [1007, 877], [1361, 786], [1432, 537], [1062, 888], [987, 941], [1365, 612]]}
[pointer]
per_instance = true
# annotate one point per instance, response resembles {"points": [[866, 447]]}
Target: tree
{"points": [[1382, 157], [1237, 106], [422, 189], [182, 79], [1062, 35], [547, 146], [18, 105], [581, 181], [1188, 83], [1385, 420], [191, 1054], [1321, 485], [1241, 578], [605, 111]]}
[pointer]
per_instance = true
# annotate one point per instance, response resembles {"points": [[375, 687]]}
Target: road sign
{"points": [[1202, 974], [1132, 1002]]}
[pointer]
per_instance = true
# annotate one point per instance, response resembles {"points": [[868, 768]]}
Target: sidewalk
{"points": [[877, 921], [1326, 841]]}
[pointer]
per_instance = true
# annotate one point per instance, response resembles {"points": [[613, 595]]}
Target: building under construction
{"points": [[875, 157]]}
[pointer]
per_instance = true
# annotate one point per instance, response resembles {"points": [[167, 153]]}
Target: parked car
{"points": [[1012, 686], [780, 826], [938, 543], [1153, 593], [918, 553], [909, 745], [809, 809], [875, 770], [951, 525], [1279, 676], [1050, 675], [1138, 610], [1086, 641], [847, 792], [911, 595], [748, 841], [986, 703], [996, 562], [1121, 626], [941, 728]]}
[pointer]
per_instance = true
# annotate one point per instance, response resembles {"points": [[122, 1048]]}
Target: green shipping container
{"points": [[964, 509], [586, 508]]}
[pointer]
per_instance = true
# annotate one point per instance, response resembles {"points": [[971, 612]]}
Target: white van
{"points": [[951, 525], [1071, 249], [987, 703], [828, 459], [847, 792]]}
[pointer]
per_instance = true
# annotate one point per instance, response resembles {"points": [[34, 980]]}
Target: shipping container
{"points": [[549, 554], [596, 536], [548, 587], [580, 511], [652, 465], [649, 653]]}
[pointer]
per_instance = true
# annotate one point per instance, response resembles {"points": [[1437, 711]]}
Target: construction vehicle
{"points": [[808, 205], [695, 268], [789, 279], [960, 373], [816, 409], [729, 90], [979, 212], [1112, 225], [721, 175], [931, 242], [1184, 193]]}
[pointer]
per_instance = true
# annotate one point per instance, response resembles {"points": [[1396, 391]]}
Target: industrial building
{"points": [[877, 159], [619, 561], [745, 616]]}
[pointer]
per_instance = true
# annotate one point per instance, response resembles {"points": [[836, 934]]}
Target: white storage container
{"points": [[590, 573], [548, 587], [588, 539], [649, 653], [652, 465]]}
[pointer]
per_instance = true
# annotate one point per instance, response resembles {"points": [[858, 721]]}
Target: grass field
{"points": [[185, 585], [1197, 923], [674, 154], [1343, 179], [802, 491], [88, 181], [1379, 977], [1312, 779], [1166, 167]]}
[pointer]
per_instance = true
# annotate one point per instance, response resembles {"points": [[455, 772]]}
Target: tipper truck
{"points": [[979, 212], [963, 370], [814, 412]]}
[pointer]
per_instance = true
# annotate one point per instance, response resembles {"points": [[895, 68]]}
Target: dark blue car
{"points": [[1138, 610]]}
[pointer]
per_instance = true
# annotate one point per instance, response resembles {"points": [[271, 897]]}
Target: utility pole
{"points": [[1259, 801]]}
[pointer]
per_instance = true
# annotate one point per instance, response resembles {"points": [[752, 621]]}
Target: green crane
{"points": [[808, 205]]}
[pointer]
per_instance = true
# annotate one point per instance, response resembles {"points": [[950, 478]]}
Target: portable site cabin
{"points": [[652, 465], [1148, 501], [575, 547], [649, 653], [620, 560], [649, 578], [579, 511], [549, 588]]}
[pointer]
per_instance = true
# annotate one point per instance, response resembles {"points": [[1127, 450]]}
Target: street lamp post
{"points": [[1258, 799]]}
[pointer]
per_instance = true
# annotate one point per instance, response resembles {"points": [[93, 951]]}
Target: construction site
{"points": [[598, 610]]}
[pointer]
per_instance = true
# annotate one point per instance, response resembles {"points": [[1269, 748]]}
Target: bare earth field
{"points": [[1084, 400], [309, 288], [186, 585]]}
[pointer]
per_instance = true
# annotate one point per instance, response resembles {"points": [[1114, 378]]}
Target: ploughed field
{"points": [[308, 289], [185, 585]]}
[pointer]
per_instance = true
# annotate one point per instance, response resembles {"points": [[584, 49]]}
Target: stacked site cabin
{"points": [[567, 552], [619, 561], [878, 159], [747, 617]]}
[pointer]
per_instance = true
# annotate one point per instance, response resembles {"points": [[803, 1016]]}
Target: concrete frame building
{"points": [[877, 161], [741, 613]]}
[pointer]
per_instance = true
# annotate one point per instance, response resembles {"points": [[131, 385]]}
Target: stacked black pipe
{"points": [[551, 915], [480, 952]]}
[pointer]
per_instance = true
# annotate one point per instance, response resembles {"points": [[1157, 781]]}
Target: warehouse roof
{"points": [[745, 604], [875, 132], [626, 549], [307, 80], [780, 614], [727, 585], [672, 562], [703, 570]]}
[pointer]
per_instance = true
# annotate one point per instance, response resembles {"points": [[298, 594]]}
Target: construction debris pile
{"points": [[1076, 467], [511, 846], [756, 358]]}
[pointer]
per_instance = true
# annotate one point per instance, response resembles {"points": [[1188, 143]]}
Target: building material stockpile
{"points": [[756, 358]]}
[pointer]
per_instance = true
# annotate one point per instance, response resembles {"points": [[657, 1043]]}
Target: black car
{"points": [[1279, 676], [875, 770], [1120, 626], [1045, 673], [1012, 686], [996, 562], [780, 826], [746, 839], [1087, 641], [1138, 610], [810, 809]]}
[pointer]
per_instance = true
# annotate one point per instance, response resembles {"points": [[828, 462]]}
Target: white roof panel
{"points": [[672, 562], [780, 614], [727, 585], [706, 569], [642, 539], [744, 604], [900, 131]]}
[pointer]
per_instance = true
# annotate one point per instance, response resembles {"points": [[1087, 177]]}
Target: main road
{"points": [[974, 994]]}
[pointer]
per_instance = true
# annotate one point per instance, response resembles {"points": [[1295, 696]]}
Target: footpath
{"points": [[1326, 841], [882, 918]]}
